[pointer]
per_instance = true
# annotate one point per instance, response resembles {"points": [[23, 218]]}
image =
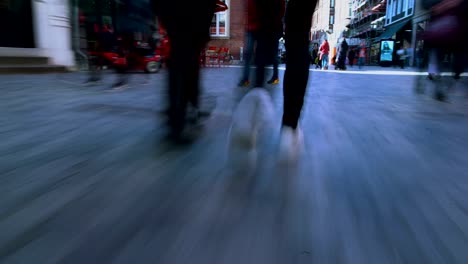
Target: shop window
{"points": [[220, 23]]}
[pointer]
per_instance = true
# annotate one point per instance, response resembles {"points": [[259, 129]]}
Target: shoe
{"points": [[274, 81], [244, 83], [291, 143]]}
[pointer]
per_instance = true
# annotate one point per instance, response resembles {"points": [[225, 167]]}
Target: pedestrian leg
{"points": [[261, 55], [298, 23], [275, 78], [187, 29], [249, 50]]}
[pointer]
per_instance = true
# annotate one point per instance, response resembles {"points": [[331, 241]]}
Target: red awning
{"points": [[220, 6]]}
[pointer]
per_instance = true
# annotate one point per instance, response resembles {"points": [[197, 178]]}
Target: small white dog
{"points": [[254, 112]]}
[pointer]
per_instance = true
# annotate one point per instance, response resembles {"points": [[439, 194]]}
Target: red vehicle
{"points": [[140, 58]]}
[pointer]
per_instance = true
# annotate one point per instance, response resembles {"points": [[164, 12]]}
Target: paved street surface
{"points": [[86, 178]]}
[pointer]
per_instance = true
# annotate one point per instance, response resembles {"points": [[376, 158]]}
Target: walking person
{"points": [[401, 53], [362, 56], [105, 43], [342, 54], [250, 41], [324, 52], [351, 57], [269, 14], [420, 56], [445, 34], [125, 43], [298, 21], [315, 56], [278, 29], [188, 32]]}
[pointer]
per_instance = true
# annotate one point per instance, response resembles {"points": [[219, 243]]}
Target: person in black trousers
{"points": [[187, 24], [269, 14], [298, 21]]}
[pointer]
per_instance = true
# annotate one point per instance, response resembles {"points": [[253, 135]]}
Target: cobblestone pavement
{"points": [[84, 178]]}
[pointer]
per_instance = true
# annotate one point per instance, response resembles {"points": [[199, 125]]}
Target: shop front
{"points": [[396, 36], [398, 33]]}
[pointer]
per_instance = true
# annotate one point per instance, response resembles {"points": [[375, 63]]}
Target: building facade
{"points": [[367, 24], [329, 21], [399, 26], [228, 28]]}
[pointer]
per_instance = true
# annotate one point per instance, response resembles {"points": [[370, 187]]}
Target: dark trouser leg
{"points": [[177, 88], [298, 22], [193, 77], [261, 55], [275, 58], [188, 33], [183, 82]]}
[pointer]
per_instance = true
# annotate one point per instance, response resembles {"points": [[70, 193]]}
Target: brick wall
{"points": [[237, 25]]}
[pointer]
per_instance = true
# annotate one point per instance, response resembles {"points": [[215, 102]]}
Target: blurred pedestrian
{"points": [[250, 41], [445, 34], [264, 29], [277, 35], [362, 56], [401, 53], [342, 54], [351, 57], [420, 54], [187, 23], [318, 61], [105, 42], [324, 51], [298, 21], [315, 55], [270, 15], [125, 45]]}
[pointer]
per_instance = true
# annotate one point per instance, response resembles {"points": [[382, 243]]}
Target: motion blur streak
{"points": [[85, 177]]}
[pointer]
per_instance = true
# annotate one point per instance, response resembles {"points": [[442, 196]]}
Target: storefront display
{"points": [[386, 50]]}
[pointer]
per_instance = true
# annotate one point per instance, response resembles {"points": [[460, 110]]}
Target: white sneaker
{"points": [[291, 144]]}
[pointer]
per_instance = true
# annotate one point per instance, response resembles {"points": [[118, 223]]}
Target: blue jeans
{"points": [[361, 62], [276, 58], [325, 60], [249, 49]]}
